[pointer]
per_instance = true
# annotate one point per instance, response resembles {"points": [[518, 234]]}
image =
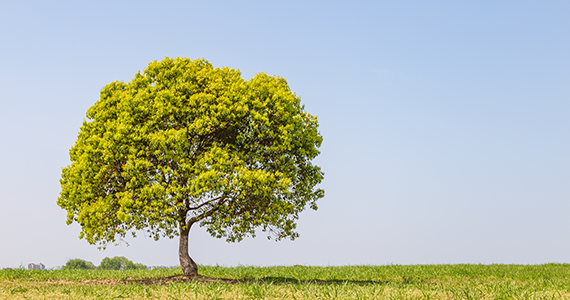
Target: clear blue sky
{"points": [[446, 124]]}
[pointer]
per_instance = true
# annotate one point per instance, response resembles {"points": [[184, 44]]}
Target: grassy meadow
{"points": [[549, 281]]}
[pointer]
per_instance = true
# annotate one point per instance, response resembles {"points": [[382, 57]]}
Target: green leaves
{"points": [[185, 143], [119, 263], [78, 264]]}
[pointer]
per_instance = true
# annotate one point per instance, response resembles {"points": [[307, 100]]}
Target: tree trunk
{"points": [[189, 267]]}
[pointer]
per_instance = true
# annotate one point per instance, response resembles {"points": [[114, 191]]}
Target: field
{"points": [[549, 281]]}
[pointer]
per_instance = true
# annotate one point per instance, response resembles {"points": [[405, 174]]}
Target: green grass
{"points": [[549, 281]]}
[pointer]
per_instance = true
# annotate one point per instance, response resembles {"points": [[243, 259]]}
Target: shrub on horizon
{"points": [[119, 263], [78, 264]]}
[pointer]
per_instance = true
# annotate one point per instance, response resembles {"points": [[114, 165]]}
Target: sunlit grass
{"points": [[550, 281]]}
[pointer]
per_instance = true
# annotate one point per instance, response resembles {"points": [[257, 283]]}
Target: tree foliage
{"points": [[184, 143], [78, 264], [119, 263]]}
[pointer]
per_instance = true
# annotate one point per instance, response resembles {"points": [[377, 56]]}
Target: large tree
{"points": [[185, 143]]}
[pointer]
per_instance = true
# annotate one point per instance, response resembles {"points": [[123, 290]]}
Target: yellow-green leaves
{"points": [[184, 143]]}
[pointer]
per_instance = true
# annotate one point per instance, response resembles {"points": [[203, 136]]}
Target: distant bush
{"points": [[78, 264], [119, 263]]}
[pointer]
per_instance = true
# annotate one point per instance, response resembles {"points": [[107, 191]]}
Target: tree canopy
{"points": [[78, 264], [185, 143], [119, 263]]}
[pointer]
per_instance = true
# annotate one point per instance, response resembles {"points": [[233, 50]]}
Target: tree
{"points": [[78, 264], [185, 143], [119, 263]]}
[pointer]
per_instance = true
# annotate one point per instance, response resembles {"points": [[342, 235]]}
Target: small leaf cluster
{"points": [[185, 143]]}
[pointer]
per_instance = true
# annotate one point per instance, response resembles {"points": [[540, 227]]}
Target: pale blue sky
{"points": [[446, 124]]}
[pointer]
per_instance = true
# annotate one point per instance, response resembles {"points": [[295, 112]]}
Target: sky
{"points": [[446, 124]]}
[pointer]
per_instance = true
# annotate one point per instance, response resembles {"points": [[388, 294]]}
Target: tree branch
{"points": [[208, 213], [207, 202]]}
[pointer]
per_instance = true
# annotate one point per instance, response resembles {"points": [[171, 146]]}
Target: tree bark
{"points": [[189, 267]]}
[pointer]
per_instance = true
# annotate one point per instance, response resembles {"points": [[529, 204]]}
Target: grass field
{"points": [[549, 281]]}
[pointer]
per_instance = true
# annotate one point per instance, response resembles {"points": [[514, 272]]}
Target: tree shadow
{"points": [[292, 281], [270, 280]]}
